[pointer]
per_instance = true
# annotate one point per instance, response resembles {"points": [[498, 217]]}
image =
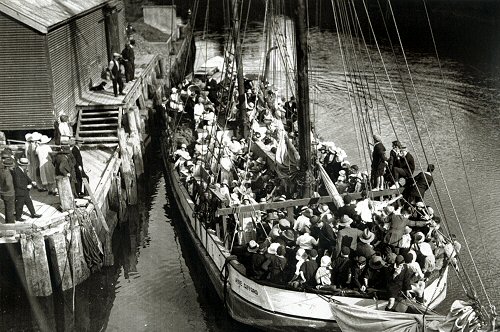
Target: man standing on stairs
{"points": [[116, 74], [80, 172]]}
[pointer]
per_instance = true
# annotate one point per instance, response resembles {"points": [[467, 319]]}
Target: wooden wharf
{"points": [[49, 251]]}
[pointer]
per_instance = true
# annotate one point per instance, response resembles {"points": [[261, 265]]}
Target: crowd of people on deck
{"points": [[37, 166], [365, 245]]}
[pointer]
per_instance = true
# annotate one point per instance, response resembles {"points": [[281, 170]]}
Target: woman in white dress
{"points": [[47, 171]]}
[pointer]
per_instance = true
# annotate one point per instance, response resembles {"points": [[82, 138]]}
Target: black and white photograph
{"points": [[249, 165]]}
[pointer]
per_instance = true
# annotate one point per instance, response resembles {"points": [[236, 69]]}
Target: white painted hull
{"points": [[258, 305]]}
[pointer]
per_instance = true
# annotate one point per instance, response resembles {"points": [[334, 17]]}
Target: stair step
{"points": [[111, 112], [101, 139], [100, 119], [97, 125], [104, 131]]}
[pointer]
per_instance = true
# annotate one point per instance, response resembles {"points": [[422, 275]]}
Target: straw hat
{"points": [[36, 136], [23, 162], [45, 139], [28, 137], [367, 236], [273, 248], [345, 220], [252, 246]]}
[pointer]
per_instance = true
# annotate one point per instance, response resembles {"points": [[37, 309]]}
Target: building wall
{"points": [[78, 55], [25, 95]]}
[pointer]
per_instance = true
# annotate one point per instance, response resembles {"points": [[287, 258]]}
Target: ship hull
{"points": [[256, 304]]}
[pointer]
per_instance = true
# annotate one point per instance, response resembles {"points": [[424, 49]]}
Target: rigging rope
{"points": [[459, 147]]}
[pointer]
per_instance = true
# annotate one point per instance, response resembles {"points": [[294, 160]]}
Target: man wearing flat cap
{"points": [[115, 69]]}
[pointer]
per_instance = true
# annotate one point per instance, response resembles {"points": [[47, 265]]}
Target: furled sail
{"points": [[360, 319]]}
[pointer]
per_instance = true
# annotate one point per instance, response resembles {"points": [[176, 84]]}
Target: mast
{"points": [[269, 39], [304, 120], [239, 67]]}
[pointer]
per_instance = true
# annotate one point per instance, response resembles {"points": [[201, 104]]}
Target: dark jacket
{"points": [[6, 182], [21, 181], [408, 164]]}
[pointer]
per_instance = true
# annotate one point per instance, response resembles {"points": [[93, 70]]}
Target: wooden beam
{"points": [[100, 215], [273, 205], [296, 202]]}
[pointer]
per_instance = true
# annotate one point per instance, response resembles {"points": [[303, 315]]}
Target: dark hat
{"points": [[376, 262], [396, 143], [288, 235], [361, 259], [345, 251], [8, 162], [347, 199], [400, 259]]}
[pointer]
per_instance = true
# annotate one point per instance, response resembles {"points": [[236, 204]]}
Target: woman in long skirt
{"points": [[47, 171]]}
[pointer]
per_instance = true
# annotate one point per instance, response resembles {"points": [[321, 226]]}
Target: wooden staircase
{"points": [[99, 126]]}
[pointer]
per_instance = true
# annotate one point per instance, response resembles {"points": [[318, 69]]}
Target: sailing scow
{"points": [[293, 236]]}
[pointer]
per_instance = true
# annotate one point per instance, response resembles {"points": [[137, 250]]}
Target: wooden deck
{"points": [[106, 99], [96, 163]]}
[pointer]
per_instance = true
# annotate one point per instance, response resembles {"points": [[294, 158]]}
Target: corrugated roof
{"points": [[42, 14]]}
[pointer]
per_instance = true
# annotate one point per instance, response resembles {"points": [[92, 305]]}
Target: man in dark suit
{"points": [[419, 185], [128, 56], [80, 172], [22, 186], [64, 164], [406, 169], [7, 192]]}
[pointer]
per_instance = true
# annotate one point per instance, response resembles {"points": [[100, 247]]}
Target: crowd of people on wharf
{"points": [[37, 167], [392, 247]]}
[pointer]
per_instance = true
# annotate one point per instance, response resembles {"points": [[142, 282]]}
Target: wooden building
{"points": [[51, 51]]}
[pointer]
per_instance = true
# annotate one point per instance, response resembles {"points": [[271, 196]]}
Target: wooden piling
{"points": [[136, 142], [112, 219], [61, 268], [65, 193], [36, 266], [126, 168], [78, 264]]}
